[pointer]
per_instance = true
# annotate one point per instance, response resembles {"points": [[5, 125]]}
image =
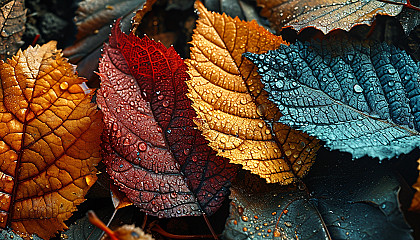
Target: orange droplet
{"points": [[245, 218], [64, 85]]}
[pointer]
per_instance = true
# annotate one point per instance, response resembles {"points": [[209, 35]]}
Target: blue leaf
{"points": [[359, 97]]}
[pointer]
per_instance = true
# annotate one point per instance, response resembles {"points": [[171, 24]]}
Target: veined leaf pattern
{"points": [[359, 97], [233, 110]]}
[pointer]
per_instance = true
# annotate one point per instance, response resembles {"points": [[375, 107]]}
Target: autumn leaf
{"points": [[93, 20], [415, 203], [151, 148], [349, 200], [49, 141], [119, 199], [324, 15], [359, 97], [231, 105], [12, 26]]}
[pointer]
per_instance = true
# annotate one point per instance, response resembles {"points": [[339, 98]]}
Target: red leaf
{"points": [[152, 148]]}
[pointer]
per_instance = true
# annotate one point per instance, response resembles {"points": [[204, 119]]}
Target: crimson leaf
{"points": [[152, 149]]}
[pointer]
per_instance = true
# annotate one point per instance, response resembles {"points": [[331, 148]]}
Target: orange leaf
{"points": [[233, 108], [415, 203], [324, 15], [49, 141]]}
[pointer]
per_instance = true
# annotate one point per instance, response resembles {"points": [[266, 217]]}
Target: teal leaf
{"points": [[343, 199], [359, 97]]}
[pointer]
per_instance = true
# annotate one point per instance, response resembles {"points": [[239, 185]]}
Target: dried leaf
{"points": [[415, 203], [93, 19], [349, 200], [359, 97], [231, 105], [12, 26], [151, 147], [324, 15], [49, 141]]}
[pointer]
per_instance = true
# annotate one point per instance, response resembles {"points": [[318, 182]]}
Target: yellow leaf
{"points": [[49, 141], [231, 105]]}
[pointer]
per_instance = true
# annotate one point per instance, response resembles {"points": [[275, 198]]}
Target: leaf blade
{"points": [[228, 95], [358, 97], [156, 99], [48, 126]]}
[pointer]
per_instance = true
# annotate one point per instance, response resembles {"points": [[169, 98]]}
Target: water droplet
{"points": [[219, 94], [243, 101], [261, 110], [260, 124], [160, 97], [121, 165], [165, 104], [64, 85], [142, 146], [357, 88], [245, 218], [279, 83]]}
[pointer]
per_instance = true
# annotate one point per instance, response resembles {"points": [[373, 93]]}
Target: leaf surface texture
{"points": [[12, 26], [324, 15], [349, 200], [232, 106], [49, 142], [359, 97], [152, 148]]}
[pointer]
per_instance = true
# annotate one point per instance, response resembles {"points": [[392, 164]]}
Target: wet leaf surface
{"points": [[324, 15], [151, 147], [351, 199], [49, 143], [359, 97], [12, 26], [231, 105]]}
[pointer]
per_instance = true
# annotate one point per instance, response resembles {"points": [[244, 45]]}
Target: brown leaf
{"points": [[324, 15], [119, 199], [93, 20], [49, 141], [415, 203], [232, 106], [140, 14], [12, 24]]}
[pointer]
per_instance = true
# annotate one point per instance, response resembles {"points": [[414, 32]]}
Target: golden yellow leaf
{"points": [[49, 141], [415, 203], [233, 110]]}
